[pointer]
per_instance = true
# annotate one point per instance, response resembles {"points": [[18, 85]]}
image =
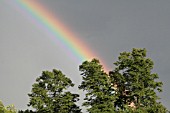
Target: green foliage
{"points": [[7, 109], [49, 94], [130, 88], [98, 87], [136, 84]]}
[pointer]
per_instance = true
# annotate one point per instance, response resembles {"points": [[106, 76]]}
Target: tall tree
{"points": [[50, 95], [99, 98], [135, 83]]}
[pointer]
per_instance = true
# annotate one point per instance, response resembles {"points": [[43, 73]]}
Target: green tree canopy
{"points": [[7, 109], [50, 95], [136, 85], [98, 88], [130, 88]]}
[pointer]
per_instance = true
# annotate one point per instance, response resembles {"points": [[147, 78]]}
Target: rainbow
{"points": [[55, 28]]}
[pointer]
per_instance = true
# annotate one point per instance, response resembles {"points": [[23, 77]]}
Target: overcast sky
{"points": [[107, 26]]}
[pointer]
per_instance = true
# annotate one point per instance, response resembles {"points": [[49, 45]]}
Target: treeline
{"points": [[129, 88]]}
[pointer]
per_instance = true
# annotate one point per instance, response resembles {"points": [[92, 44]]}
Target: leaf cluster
{"points": [[7, 109], [98, 88], [49, 94]]}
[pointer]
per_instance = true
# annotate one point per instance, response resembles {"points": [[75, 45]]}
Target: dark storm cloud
{"points": [[108, 26]]}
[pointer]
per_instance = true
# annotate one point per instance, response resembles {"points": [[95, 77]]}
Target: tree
{"points": [[98, 89], [50, 95], [135, 83], [7, 109], [130, 88]]}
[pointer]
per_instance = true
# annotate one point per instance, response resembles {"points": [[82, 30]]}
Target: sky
{"points": [[107, 27]]}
